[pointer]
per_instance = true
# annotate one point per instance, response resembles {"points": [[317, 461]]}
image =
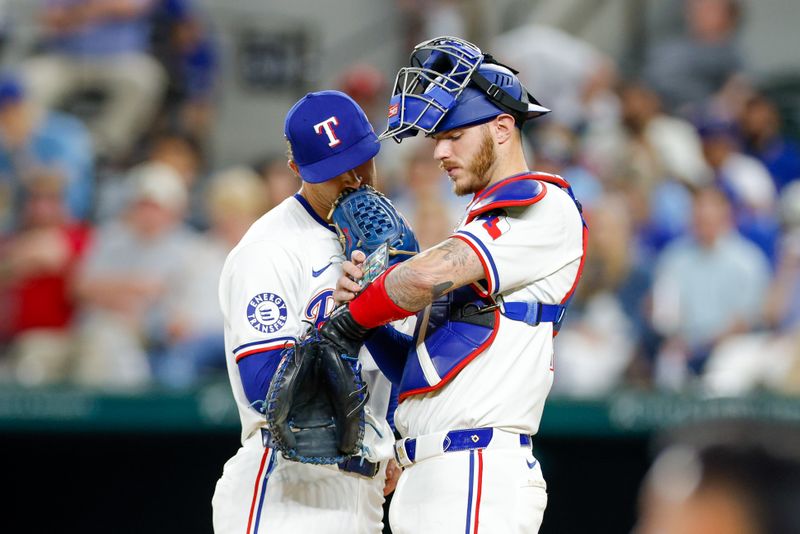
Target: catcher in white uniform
{"points": [[474, 376], [277, 283]]}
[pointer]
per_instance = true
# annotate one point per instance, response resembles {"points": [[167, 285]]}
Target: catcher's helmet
{"points": [[451, 84]]}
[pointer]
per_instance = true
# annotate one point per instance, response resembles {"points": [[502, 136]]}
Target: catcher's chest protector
{"points": [[458, 327], [449, 334]]}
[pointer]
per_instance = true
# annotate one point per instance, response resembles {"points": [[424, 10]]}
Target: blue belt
{"points": [[534, 313], [457, 440], [355, 464]]}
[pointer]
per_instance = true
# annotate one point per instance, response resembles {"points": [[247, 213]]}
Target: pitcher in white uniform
{"points": [[474, 376], [276, 283]]}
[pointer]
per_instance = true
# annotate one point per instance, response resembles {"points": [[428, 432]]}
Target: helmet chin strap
{"points": [[519, 109]]}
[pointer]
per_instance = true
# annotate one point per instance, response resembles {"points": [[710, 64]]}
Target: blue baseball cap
{"points": [[330, 135]]}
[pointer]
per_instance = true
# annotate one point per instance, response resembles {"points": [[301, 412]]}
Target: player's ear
{"points": [[503, 126], [293, 167]]}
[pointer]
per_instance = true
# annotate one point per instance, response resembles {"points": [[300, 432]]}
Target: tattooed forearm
{"points": [[453, 252], [441, 289], [419, 281], [409, 288]]}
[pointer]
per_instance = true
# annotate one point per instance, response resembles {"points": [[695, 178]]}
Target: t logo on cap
{"points": [[328, 125]]}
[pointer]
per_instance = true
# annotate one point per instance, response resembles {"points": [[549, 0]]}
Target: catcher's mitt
{"points": [[366, 220], [315, 404]]}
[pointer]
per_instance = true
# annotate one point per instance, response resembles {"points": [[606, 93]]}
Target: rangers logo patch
{"points": [[496, 226], [266, 312]]}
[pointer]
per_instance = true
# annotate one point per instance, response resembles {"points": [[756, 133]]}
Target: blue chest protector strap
{"points": [[534, 313]]}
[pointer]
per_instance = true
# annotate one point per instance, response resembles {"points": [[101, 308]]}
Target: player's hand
{"points": [[393, 472], [346, 287]]}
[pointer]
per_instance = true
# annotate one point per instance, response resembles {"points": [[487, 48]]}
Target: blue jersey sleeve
{"points": [[389, 349], [256, 371]]}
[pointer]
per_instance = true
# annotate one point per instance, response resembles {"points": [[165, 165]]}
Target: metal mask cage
{"points": [[446, 63]]}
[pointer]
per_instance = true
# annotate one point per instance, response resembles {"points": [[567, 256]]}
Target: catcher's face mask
{"points": [[448, 73]]}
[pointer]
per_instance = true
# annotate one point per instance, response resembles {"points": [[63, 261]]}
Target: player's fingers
{"points": [[346, 290], [358, 257], [352, 270], [347, 284], [341, 296]]}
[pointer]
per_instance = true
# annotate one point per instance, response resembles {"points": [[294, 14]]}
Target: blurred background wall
{"points": [[335, 35]]}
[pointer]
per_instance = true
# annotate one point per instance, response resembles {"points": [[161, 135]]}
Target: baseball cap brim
{"points": [[332, 166]]}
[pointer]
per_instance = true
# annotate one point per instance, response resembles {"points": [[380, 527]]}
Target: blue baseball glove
{"points": [[315, 403], [366, 220]]}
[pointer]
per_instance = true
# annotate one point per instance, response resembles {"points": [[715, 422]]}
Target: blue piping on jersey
{"points": [[485, 250], [303, 202], [469, 495], [264, 342], [270, 467]]}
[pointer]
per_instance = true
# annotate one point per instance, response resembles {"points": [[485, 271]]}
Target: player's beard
{"points": [[478, 169]]}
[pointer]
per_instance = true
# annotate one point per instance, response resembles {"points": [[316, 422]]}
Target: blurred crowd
{"points": [[115, 222]]}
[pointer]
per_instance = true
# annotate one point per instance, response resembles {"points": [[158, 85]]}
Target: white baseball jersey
{"points": [[531, 253], [276, 283], [473, 469]]}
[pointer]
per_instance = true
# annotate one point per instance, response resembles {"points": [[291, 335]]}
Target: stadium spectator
{"points": [[557, 151], [605, 329], [649, 145], [770, 358], [699, 294], [687, 70], [747, 183], [783, 310], [654, 159], [179, 151], [743, 177], [128, 284], [367, 86], [195, 348], [280, 182], [184, 152], [425, 19], [761, 128], [101, 46], [431, 223], [565, 73], [33, 140], [37, 265], [425, 191], [183, 43]]}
